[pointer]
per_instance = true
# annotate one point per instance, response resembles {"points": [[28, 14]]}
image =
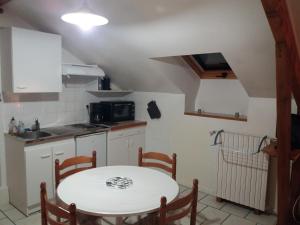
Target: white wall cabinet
{"points": [[30, 61], [28, 166], [123, 146]]}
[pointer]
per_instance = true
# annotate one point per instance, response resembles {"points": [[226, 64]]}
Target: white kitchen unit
{"points": [[86, 144], [123, 146], [31, 61], [28, 166]]}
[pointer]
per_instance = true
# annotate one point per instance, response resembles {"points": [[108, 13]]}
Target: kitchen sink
{"points": [[34, 134]]}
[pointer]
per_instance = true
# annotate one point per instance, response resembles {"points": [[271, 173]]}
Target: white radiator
{"points": [[242, 169]]}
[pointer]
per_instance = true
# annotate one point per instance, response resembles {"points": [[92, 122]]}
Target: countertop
{"points": [[64, 132], [127, 124]]}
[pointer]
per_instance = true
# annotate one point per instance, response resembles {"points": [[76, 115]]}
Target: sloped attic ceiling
{"points": [[141, 29]]}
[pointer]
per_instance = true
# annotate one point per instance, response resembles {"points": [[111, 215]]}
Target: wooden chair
{"points": [[72, 162], [179, 208], [50, 210], [149, 159], [175, 210]]}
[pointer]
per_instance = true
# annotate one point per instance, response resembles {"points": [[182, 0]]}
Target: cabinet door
{"points": [[62, 150], [38, 169], [117, 152], [135, 141], [36, 61], [85, 145]]}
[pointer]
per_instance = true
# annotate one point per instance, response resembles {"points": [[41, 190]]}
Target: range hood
{"points": [[81, 70]]}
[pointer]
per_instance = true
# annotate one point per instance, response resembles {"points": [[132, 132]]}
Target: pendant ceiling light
{"points": [[84, 18]]}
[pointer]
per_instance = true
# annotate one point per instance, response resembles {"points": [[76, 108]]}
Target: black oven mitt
{"points": [[153, 110]]}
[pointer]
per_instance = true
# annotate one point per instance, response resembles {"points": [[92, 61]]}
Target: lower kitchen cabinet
{"points": [[123, 146], [38, 168], [135, 141], [28, 166], [117, 152], [62, 150]]}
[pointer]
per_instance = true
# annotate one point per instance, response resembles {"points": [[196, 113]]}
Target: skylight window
{"points": [[210, 66], [212, 61]]}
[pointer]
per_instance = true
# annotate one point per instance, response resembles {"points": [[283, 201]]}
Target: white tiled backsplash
{"points": [[66, 107]]}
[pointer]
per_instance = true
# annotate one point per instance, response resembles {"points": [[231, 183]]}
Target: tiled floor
{"points": [[209, 211]]}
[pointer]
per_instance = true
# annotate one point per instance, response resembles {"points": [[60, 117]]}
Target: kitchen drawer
{"points": [[126, 132]]}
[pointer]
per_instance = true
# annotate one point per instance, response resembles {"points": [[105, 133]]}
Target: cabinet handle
{"points": [[45, 156], [59, 153], [21, 87]]}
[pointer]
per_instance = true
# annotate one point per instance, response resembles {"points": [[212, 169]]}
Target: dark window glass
{"points": [[212, 61]]}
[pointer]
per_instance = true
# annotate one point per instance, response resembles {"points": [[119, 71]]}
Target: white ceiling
{"points": [[140, 30]]}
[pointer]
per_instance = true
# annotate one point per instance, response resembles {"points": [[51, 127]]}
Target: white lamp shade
{"points": [[85, 20]]}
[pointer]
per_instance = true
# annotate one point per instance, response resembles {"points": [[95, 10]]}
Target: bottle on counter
{"points": [[21, 127], [12, 127], [36, 125]]}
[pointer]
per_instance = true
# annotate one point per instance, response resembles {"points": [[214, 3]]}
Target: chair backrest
{"points": [[73, 163], [158, 160], [181, 207], [50, 210]]}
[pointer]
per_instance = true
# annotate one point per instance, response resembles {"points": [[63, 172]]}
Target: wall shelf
{"points": [[217, 116], [110, 93]]}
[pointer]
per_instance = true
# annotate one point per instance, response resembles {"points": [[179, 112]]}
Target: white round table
{"points": [[92, 194]]}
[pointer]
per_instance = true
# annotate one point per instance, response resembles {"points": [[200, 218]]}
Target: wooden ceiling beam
{"points": [[283, 89], [270, 5], [281, 26], [287, 81], [2, 2]]}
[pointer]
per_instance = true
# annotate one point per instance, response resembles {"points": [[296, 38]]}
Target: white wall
{"points": [[51, 110], [181, 74], [222, 96], [188, 136], [158, 136]]}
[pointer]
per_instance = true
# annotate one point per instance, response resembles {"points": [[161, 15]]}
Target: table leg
{"points": [[119, 220], [90, 220]]}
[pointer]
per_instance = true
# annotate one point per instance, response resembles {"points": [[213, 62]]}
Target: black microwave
{"points": [[111, 111]]}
